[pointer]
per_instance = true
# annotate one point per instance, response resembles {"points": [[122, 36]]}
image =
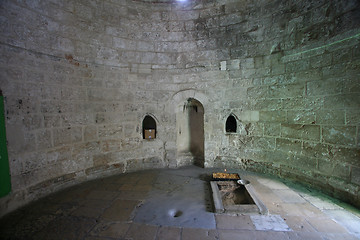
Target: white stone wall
{"points": [[79, 77]]}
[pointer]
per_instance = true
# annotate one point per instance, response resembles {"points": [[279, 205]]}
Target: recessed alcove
{"points": [[190, 133], [149, 127], [231, 124]]}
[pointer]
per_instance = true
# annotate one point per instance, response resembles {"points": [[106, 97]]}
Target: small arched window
{"points": [[230, 125], [149, 127]]}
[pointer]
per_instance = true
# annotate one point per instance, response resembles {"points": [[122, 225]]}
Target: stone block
{"points": [[355, 175], [320, 61], [33, 122], [297, 66], [230, 19], [272, 129], [293, 147], [278, 68], [62, 136], [335, 102], [345, 154], [332, 117], [51, 121], [334, 169], [284, 91], [342, 55], [44, 139], [65, 45], [234, 64], [350, 84], [352, 101], [90, 133], [248, 73], [236, 93], [110, 131], [238, 52], [300, 103], [257, 92], [272, 116], [324, 87], [267, 104], [71, 94], [339, 135], [111, 145], [247, 63], [336, 70], [297, 77], [249, 116], [301, 116], [164, 58], [102, 159], [264, 142], [76, 134], [250, 129], [316, 150], [304, 163], [298, 131]]}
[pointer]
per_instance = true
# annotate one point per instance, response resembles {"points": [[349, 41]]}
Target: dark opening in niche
{"points": [[149, 127], [230, 125]]}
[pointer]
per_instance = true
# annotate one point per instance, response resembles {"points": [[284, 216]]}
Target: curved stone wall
{"points": [[79, 77]]}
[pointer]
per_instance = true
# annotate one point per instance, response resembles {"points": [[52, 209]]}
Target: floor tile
{"points": [[272, 183], [102, 195], [269, 223], [132, 195], [289, 196], [168, 233], [141, 232], [326, 225], [198, 233], [224, 221], [236, 235], [111, 229], [298, 223], [66, 228], [88, 212], [120, 210]]}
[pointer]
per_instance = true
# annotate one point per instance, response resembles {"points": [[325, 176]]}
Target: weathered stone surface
{"points": [[298, 131], [79, 78], [355, 175], [339, 135], [301, 117], [338, 170]]}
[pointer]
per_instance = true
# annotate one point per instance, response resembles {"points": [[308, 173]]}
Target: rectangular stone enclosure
{"points": [[236, 197]]}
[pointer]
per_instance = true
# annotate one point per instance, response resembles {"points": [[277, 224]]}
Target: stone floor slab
{"points": [[111, 229], [141, 232], [269, 223], [195, 234], [120, 210], [234, 222], [326, 225], [236, 235], [168, 233], [66, 228]]}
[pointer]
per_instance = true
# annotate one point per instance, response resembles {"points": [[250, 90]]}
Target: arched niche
{"points": [[149, 127], [231, 124], [190, 133]]}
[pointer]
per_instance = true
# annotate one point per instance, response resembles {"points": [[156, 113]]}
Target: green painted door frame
{"points": [[5, 180]]}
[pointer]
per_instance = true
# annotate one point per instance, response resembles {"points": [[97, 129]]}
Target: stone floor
{"points": [[177, 204]]}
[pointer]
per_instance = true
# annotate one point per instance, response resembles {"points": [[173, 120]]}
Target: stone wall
{"points": [[80, 76]]}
